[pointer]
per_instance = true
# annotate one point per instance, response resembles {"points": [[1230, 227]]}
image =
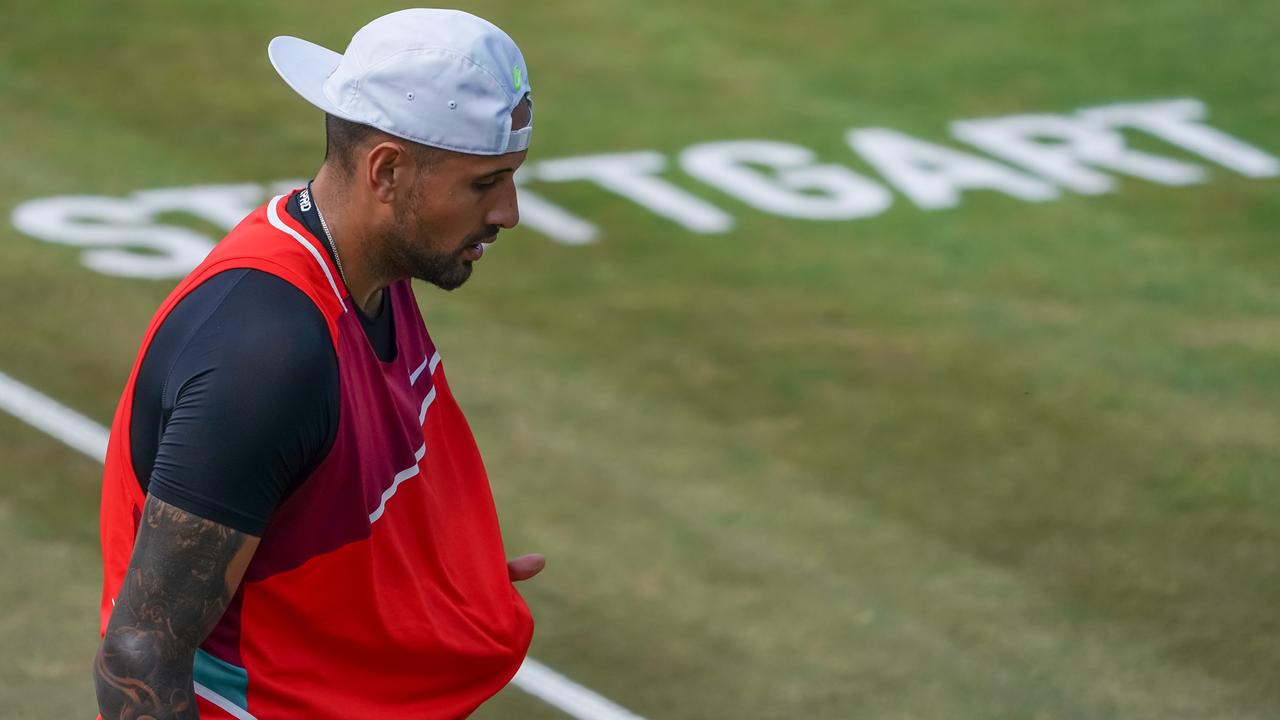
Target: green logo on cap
{"points": [[515, 73]]}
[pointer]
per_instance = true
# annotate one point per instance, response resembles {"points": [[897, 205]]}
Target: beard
{"points": [[446, 269]]}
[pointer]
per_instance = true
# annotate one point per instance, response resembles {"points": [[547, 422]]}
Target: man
{"points": [[296, 522]]}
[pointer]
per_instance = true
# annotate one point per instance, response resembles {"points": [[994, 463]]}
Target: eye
{"points": [[484, 184]]}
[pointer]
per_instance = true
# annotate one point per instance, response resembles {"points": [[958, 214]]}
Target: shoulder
{"points": [[255, 324], [274, 330]]}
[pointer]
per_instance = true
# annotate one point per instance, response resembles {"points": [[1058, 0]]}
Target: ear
{"points": [[387, 170]]}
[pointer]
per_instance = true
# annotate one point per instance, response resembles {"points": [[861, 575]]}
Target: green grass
{"points": [[1006, 460]]}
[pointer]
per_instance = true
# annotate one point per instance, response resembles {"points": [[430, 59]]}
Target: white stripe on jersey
{"points": [[273, 216]]}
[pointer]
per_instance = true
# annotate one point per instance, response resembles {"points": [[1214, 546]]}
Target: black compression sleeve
{"points": [[236, 400]]}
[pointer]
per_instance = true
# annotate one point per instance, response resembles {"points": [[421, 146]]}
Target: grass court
{"points": [[1002, 460]]}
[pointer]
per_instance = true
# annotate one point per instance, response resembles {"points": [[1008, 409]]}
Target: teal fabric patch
{"points": [[220, 676]]}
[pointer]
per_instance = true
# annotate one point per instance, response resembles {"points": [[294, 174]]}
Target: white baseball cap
{"points": [[443, 78]]}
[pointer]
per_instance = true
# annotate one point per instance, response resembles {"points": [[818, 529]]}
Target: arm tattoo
{"points": [[183, 573]]}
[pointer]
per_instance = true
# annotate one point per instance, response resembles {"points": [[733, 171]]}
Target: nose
{"points": [[505, 213]]}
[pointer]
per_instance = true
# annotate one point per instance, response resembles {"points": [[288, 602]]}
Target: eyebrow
{"points": [[496, 173]]}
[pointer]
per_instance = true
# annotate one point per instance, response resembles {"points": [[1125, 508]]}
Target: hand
{"points": [[525, 567]]}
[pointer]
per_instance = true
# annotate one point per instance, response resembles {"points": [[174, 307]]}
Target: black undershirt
{"points": [[236, 400]]}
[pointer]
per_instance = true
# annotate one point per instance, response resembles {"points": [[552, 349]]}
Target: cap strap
{"points": [[519, 139]]}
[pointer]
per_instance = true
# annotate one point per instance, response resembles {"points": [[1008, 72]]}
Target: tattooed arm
{"points": [[183, 573]]}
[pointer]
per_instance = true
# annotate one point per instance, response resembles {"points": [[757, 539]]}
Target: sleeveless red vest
{"points": [[380, 587]]}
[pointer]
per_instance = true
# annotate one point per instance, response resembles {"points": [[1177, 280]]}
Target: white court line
{"points": [[61, 422], [559, 691], [53, 418]]}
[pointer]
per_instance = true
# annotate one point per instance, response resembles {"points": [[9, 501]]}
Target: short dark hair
{"points": [[343, 138]]}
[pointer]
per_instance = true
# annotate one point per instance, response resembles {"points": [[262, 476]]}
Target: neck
{"points": [[349, 242]]}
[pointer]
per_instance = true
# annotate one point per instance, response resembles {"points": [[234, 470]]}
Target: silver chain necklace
{"points": [[329, 236]]}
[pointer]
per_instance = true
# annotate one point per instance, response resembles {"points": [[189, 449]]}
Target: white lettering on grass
{"points": [[634, 176], [127, 236], [550, 219], [1177, 122], [1062, 149], [797, 187], [124, 240], [933, 175]]}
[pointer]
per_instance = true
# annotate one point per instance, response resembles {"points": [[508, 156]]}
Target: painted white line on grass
{"points": [[555, 689], [61, 422], [53, 418]]}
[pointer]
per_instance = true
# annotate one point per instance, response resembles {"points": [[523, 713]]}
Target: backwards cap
{"points": [[443, 78]]}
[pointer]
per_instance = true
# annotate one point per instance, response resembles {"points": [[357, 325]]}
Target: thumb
{"points": [[525, 567]]}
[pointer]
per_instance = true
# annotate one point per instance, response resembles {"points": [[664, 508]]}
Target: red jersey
{"points": [[380, 587]]}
